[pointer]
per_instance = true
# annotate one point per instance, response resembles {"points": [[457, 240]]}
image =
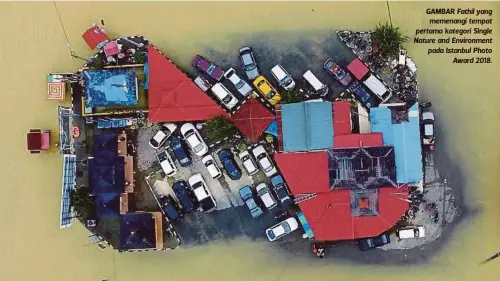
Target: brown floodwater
{"points": [[33, 43]]}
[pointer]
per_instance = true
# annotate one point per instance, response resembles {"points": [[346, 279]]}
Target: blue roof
{"points": [[110, 87], [107, 204], [68, 184], [307, 126], [137, 231], [405, 137], [106, 175], [146, 73], [106, 145]]}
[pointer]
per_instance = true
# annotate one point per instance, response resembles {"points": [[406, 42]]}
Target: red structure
{"points": [[341, 118], [358, 69], [172, 94], [95, 37], [38, 141], [252, 119]]}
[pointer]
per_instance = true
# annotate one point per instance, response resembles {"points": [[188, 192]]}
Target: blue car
{"points": [[181, 191], [374, 242], [247, 196], [170, 207], [280, 189], [362, 94], [180, 152], [227, 160]]}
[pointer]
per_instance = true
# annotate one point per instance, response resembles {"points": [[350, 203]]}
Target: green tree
{"points": [[290, 97], [389, 38], [139, 57], [219, 127], [82, 202], [96, 63]]}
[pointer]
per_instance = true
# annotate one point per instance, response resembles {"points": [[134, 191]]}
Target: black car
{"points": [[373, 242], [170, 207], [180, 151], [181, 191], [227, 160]]}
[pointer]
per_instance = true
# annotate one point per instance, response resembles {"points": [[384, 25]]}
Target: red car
{"points": [[334, 69], [208, 67]]}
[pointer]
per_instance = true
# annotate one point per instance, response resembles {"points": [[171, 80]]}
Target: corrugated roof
{"points": [[358, 68], [342, 118], [358, 140], [252, 119], [307, 126], [173, 96], [137, 231], [405, 137]]}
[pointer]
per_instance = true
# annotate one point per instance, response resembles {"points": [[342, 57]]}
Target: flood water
{"points": [[464, 97]]}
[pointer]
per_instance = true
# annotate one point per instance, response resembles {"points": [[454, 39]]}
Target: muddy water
{"points": [[33, 43]]}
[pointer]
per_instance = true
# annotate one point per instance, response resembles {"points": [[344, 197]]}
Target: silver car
{"points": [[249, 63], [241, 85]]}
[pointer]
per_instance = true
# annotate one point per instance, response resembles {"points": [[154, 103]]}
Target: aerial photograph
{"points": [[250, 140]]}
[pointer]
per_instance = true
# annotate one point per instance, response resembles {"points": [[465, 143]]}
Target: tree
{"points": [[219, 128], [290, 97], [389, 38], [82, 202], [96, 63], [139, 57]]}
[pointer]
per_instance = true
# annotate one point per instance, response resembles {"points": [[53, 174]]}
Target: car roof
{"points": [[279, 72], [193, 139], [428, 115], [159, 136]]}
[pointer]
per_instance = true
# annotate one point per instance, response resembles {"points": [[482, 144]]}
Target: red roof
{"points": [[329, 213], [94, 36], [173, 96], [358, 140], [252, 119], [341, 118], [358, 68]]}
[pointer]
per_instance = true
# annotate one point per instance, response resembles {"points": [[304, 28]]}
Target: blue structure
{"points": [[404, 136], [146, 73], [111, 123], [110, 87], [68, 185], [307, 126], [137, 231], [305, 225], [106, 145], [107, 204], [273, 129], [107, 175]]}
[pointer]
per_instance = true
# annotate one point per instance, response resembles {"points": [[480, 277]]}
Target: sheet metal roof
{"points": [[95, 37], [358, 140], [137, 231], [68, 184], [307, 126], [173, 96], [358, 68], [405, 137], [252, 119], [341, 118]]}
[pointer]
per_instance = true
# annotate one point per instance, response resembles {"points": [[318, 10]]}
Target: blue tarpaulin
{"points": [[405, 137], [146, 73], [110, 87], [273, 129], [307, 126]]}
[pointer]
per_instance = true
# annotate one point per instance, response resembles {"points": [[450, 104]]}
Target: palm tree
{"points": [[82, 202], [389, 38], [219, 128]]}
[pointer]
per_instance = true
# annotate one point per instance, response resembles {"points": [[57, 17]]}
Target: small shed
{"points": [[95, 37], [358, 69]]}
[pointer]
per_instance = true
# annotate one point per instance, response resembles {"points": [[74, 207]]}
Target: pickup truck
{"points": [[202, 193]]}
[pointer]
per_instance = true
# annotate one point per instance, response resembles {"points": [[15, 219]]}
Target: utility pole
{"points": [[389, 11]]}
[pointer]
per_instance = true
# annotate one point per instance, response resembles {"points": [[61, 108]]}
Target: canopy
{"points": [[95, 37], [252, 119], [358, 69]]}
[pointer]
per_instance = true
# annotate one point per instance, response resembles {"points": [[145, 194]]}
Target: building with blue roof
{"points": [[108, 87], [401, 129], [139, 231], [307, 126]]}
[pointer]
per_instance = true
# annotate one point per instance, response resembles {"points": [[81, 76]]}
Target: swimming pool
{"points": [[110, 87]]}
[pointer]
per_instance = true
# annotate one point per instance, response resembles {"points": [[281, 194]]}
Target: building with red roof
{"points": [[95, 37], [173, 96], [367, 204], [358, 69], [252, 119]]}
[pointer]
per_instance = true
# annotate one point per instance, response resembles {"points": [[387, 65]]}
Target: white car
{"points": [[264, 160], [202, 193], [224, 96], [241, 85], [284, 79], [265, 195], [159, 139], [411, 232], [211, 166], [194, 139], [167, 164], [281, 229], [248, 163], [428, 126]]}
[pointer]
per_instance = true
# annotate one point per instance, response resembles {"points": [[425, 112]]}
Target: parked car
{"points": [[208, 67], [249, 64], [227, 160], [284, 79], [248, 163], [224, 96], [377, 87], [280, 189], [363, 95], [167, 164], [411, 232], [264, 160], [428, 129], [202, 83], [202, 193], [319, 87], [194, 139], [281, 229], [181, 192], [247, 196], [334, 69], [265, 195], [241, 85], [170, 207], [159, 139], [180, 151], [373, 242], [211, 166], [267, 90]]}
